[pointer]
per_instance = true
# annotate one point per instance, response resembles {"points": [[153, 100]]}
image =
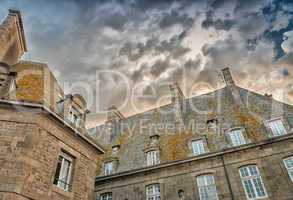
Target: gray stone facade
{"points": [[209, 117]]}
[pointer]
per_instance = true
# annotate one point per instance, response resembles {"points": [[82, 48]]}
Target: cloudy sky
{"points": [[148, 44]]}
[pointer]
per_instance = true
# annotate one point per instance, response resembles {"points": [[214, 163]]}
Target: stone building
{"points": [[229, 144], [45, 151]]}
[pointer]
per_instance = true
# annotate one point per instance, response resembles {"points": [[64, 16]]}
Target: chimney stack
{"points": [[227, 77]]}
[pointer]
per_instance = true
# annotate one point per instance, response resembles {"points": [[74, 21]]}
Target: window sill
{"points": [[59, 190]]}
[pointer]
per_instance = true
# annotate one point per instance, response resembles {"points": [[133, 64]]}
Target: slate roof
{"points": [[250, 115]]}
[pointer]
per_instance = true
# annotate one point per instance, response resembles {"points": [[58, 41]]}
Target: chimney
{"points": [[113, 123], [114, 114], [231, 86], [177, 99], [227, 77], [176, 93], [12, 38]]}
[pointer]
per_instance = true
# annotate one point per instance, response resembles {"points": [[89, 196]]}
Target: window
{"points": [[63, 172], [206, 187], [74, 117], [236, 137], [153, 192], [108, 168], [252, 182], [289, 166], [198, 147], [60, 104], [181, 194], [153, 158], [106, 196], [277, 127]]}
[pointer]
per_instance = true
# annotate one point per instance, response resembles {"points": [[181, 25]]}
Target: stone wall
{"points": [[172, 177], [30, 143]]}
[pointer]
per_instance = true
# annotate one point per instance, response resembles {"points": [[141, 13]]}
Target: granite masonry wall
{"points": [[30, 143]]}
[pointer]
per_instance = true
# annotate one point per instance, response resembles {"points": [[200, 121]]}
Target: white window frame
{"points": [[252, 182], [153, 157], [64, 182], [198, 147], [106, 196], [274, 129], [237, 137], [207, 189], [289, 168], [109, 168], [153, 192]]}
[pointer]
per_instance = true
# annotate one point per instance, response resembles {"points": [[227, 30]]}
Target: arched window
{"points": [[289, 166], [153, 192], [206, 187], [106, 196], [252, 182], [181, 194]]}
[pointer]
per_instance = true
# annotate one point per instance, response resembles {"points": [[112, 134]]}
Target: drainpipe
{"points": [[227, 177]]}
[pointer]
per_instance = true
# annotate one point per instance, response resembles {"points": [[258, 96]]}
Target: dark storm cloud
{"points": [[218, 24], [157, 40], [173, 47], [175, 17], [193, 63], [160, 66]]}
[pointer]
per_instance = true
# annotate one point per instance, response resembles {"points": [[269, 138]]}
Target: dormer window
{"points": [[236, 137], [74, 117], [198, 147], [115, 149], [153, 158], [154, 139], [108, 168], [277, 127]]}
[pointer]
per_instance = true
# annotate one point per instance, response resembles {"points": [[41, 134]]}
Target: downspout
{"points": [[227, 177]]}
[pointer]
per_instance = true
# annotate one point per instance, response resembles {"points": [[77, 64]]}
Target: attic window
{"points": [[115, 148], [277, 127], [213, 120], [74, 117]]}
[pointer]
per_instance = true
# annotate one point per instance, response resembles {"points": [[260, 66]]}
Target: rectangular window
{"points": [[277, 127], [64, 172], [60, 104], [108, 168], [236, 137], [289, 166], [206, 187], [198, 147], [153, 192], [252, 182], [106, 196], [153, 158]]}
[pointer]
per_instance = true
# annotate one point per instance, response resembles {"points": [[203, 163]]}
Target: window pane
{"points": [[153, 192], [277, 127], [289, 166], [198, 147], [237, 137], [252, 182], [57, 173], [153, 158], [207, 188]]}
